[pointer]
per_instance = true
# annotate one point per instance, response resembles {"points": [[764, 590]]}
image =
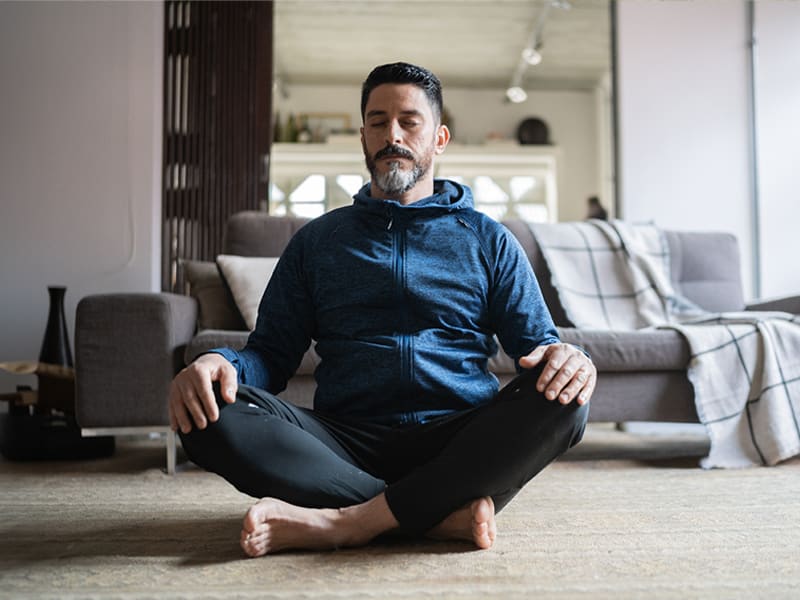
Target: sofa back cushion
{"points": [[705, 269], [254, 233]]}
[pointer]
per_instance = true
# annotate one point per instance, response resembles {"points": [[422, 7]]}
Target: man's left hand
{"points": [[567, 374]]}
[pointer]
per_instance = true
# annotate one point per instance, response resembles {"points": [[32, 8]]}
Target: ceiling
{"points": [[467, 43]]}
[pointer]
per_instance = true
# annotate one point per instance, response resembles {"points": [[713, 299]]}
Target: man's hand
{"points": [[568, 373], [191, 398]]}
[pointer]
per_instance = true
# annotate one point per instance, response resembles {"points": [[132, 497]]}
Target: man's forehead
{"points": [[401, 97]]}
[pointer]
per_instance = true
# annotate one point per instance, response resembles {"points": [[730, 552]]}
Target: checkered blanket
{"points": [[745, 367]]}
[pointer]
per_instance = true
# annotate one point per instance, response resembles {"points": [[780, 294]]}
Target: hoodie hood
{"points": [[447, 195]]}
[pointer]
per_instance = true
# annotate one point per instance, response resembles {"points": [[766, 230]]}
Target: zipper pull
{"points": [[391, 218]]}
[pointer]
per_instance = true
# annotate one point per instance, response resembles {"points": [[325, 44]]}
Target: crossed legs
{"points": [[272, 525], [325, 484]]}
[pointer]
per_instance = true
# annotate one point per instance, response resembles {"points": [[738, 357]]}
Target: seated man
{"points": [[403, 292]]}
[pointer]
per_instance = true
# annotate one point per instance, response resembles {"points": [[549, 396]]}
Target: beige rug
{"points": [[622, 516]]}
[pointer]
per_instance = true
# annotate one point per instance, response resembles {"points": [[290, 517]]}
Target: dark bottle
{"points": [[291, 131], [55, 346]]}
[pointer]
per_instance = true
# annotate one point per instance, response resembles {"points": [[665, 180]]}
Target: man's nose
{"points": [[394, 133]]}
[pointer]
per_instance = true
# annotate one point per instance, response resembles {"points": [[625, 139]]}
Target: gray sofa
{"points": [[129, 346]]}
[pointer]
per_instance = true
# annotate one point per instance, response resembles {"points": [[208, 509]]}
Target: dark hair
{"points": [[401, 72]]}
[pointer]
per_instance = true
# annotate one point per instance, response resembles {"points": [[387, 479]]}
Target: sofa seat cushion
{"points": [[618, 351], [209, 339], [631, 351]]}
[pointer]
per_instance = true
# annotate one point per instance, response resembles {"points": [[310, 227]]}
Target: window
{"points": [[310, 179]]}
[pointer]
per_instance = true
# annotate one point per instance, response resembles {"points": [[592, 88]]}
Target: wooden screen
{"points": [[217, 124]]}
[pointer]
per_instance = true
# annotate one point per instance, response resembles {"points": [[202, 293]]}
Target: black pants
{"points": [[267, 447]]}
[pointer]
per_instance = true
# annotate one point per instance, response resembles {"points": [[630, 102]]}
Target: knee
{"points": [[202, 444], [566, 422], [578, 418]]}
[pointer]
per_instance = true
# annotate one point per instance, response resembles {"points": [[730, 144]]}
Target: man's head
{"points": [[400, 73], [401, 106]]}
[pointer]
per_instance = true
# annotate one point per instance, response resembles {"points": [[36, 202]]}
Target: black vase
{"points": [[55, 346]]}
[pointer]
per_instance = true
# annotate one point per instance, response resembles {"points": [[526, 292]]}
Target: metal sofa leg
{"points": [[171, 451], [171, 444]]}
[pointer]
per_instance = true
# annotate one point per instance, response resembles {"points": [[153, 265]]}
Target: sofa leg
{"points": [[171, 451], [118, 431]]}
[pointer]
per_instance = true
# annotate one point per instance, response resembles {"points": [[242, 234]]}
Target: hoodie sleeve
{"points": [[283, 329], [517, 308]]}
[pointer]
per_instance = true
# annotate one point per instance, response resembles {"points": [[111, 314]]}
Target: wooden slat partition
{"points": [[217, 124]]}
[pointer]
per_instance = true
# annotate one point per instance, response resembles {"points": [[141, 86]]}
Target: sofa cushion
{"points": [[216, 307], [211, 338], [254, 233], [247, 278], [706, 269], [627, 351], [618, 351]]}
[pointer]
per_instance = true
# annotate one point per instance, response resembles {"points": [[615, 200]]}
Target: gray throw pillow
{"points": [[216, 307]]}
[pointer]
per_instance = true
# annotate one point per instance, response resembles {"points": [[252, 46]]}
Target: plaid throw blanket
{"points": [[744, 366]]}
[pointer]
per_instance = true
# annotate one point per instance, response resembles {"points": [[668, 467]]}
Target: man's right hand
{"points": [[191, 398]]}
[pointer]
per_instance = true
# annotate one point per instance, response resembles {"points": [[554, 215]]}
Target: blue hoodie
{"points": [[403, 302]]}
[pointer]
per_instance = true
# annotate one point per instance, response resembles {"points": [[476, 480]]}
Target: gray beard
{"points": [[396, 181]]}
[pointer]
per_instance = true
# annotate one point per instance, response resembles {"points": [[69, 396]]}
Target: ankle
{"points": [[361, 523]]}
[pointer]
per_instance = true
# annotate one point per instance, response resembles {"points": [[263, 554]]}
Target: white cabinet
{"points": [[506, 180]]}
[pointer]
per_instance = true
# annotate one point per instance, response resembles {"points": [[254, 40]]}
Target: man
{"points": [[402, 292]]}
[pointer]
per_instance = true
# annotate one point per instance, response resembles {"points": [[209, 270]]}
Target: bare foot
{"points": [[475, 522], [273, 525]]}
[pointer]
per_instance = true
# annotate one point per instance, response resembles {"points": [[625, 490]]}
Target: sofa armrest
{"points": [[128, 347], [789, 304]]}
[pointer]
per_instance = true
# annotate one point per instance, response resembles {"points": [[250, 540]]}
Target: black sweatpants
{"points": [[267, 447]]}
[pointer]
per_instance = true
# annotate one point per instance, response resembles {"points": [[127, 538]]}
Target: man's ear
{"points": [[442, 138]]}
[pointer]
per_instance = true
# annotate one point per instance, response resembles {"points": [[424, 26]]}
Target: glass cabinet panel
{"points": [[310, 179]]}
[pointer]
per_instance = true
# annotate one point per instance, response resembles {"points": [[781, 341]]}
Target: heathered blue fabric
{"points": [[403, 302]]}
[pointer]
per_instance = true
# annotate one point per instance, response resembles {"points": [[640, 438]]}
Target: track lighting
{"points": [[516, 94], [531, 56]]}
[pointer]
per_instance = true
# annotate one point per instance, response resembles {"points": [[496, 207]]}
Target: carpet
{"points": [[622, 515]]}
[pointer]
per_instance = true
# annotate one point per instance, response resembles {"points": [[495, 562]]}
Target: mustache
{"points": [[392, 150]]}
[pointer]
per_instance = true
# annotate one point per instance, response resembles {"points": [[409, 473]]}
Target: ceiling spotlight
{"points": [[516, 94], [531, 56]]}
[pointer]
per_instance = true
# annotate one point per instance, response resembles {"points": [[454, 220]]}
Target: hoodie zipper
{"points": [[398, 273]]}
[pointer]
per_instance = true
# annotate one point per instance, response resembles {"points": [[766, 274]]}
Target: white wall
{"points": [[684, 129], [572, 118], [80, 156], [683, 117], [778, 119]]}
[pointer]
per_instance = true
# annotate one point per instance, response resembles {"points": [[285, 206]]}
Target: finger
{"points": [[179, 410], [192, 404], [534, 358], [586, 393], [228, 383], [557, 354], [206, 398], [574, 386], [562, 377]]}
